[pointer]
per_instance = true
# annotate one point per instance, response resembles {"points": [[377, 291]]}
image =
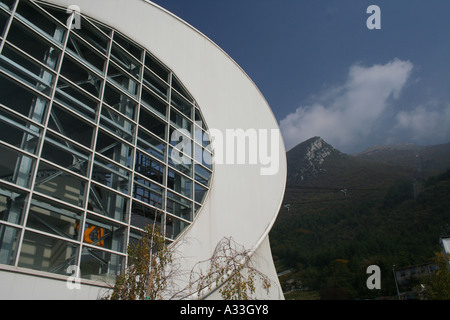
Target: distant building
{"points": [[445, 243]]}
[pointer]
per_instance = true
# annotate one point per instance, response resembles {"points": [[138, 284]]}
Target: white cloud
{"points": [[425, 125], [346, 113]]}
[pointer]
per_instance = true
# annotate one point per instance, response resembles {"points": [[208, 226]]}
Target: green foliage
{"points": [[381, 228], [437, 285]]}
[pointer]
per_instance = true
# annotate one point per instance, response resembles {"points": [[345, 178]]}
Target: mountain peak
{"points": [[307, 159]]}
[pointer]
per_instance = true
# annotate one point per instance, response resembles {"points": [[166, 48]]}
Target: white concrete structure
{"points": [[243, 198]]}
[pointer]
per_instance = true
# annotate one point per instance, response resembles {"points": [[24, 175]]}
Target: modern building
{"points": [[107, 113]]}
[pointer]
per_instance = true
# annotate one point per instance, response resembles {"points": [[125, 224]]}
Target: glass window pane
{"points": [[35, 46], [16, 167], [93, 35], [182, 105], [71, 126], [22, 100], [200, 193], [128, 45], [117, 124], [154, 83], [184, 166], [179, 183], [126, 61], [111, 175], [202, 175], [180, 89], [54, 218], [81, 76], [40, 21], [18, 132], [123, 80], [85, 53], [12, 202], [108, 203], [147, 191], [152, 123], [156, 67], [7, 4], [151, 144], [25, 69], [60, 185], [149, 167], [180, 121], [151, 101], [179, 206], [174, 227], [143, 216], [100, 265], [114, 149], [76, 100], [3, 20], [44, 253], [104, 233], [9, 242], [119, 101], [65, 153]]}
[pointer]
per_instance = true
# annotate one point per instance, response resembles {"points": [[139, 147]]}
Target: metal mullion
{"points": [[50, 235], [134, 153], [153, 181], [92, 155], [126, 73], [13, 225], [8, 25], [61, 169], [157, 76], [77, 87], [58, 201], [122, 91], [78, 37], [6, 184], [26, 85], [91, 246], [108, 219], [40, 146], [17, 149], [69, 140], [37, 32], [48, 14], [80, 117], [180, 173], [179, 194], [28, 56], [172, 215], [166, 155]]}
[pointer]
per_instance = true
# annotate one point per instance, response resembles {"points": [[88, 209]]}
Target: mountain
{"points": [[315, 163], [425, 160], [343, 211]]}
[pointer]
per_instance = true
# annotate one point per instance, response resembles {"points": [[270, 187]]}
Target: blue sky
{"points": [[324, 73]]}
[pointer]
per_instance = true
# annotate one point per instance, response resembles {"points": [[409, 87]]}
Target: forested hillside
{"points": [[327, 237]]}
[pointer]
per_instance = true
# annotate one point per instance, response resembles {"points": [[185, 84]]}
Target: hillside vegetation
{"points": [[329, 236]]}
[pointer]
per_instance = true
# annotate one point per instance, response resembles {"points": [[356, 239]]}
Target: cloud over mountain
{"points": [[347, 113]]}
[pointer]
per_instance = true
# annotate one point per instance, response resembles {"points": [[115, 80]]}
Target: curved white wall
{"points": [[242, 203]]}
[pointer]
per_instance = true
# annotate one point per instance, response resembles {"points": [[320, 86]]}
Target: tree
{"points": [[153, 271], [149, 271], [437, 285], [231, 270]]}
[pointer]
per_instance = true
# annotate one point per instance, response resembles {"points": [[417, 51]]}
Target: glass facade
{"points": [[86, 118]]}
